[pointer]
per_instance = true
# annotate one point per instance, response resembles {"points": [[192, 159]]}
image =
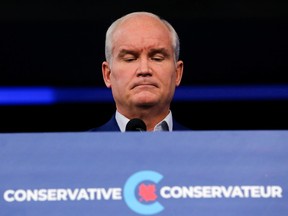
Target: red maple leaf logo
{"points": [[147, 192]]}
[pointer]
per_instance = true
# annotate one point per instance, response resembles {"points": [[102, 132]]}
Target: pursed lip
{"points": [[140, 84]]}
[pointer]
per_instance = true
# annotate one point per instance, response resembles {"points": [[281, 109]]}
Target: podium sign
{"points": [[180, 173]]}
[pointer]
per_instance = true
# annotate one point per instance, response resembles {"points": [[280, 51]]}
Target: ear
{"points": [[179, 72], [106, 72]]}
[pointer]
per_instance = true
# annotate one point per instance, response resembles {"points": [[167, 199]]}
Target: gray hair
{"points": [[115, 24]]}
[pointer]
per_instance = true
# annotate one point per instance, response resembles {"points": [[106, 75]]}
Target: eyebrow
{"points": [[151, 52], [123, 52], [163, 51]]}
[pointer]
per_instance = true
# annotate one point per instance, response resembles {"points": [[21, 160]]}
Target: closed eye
{"points": [[158, 58], [127, 55], [159, 54], [129, 59]]}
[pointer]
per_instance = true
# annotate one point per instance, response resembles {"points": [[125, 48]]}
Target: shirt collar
{"points": [[122, 122]]}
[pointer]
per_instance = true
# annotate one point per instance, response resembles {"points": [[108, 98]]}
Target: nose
{"points": [[143, 67]]}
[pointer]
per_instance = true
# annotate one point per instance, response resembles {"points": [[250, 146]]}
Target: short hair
{"points": [[116, 23]]}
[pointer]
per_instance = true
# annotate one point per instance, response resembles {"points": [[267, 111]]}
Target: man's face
{"points": [[143, 72]]}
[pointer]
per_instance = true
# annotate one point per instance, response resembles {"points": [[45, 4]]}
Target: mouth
{"points": [[144, 85]]}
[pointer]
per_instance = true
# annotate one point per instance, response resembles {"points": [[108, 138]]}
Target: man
{"points": [[142, 68]]}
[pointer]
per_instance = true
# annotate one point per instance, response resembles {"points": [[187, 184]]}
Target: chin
{"points": [[146, 98], [146, 103]]}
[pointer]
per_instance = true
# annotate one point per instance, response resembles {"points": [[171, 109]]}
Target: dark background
{"points": [[61, 44]]}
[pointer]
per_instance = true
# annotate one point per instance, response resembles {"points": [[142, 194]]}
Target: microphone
{"points": [[136, 124]]}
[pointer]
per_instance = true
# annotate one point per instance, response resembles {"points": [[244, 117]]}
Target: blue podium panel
{"points": [[199, 173]]}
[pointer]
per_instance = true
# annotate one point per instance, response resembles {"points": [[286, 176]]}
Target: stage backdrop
{"points": [[235, 61]]}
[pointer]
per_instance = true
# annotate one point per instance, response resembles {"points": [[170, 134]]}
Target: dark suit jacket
{"points": [[112, 125]]}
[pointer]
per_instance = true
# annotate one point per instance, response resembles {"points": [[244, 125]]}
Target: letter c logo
{"points": [[129, 192]]}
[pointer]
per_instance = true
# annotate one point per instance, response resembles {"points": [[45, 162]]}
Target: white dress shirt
{"points": [[122, 122]]}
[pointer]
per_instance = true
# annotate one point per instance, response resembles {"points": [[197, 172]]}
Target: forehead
{"points": [[142, 31]]}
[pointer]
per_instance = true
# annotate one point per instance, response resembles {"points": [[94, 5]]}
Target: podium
{"points": [[163, 173]]}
